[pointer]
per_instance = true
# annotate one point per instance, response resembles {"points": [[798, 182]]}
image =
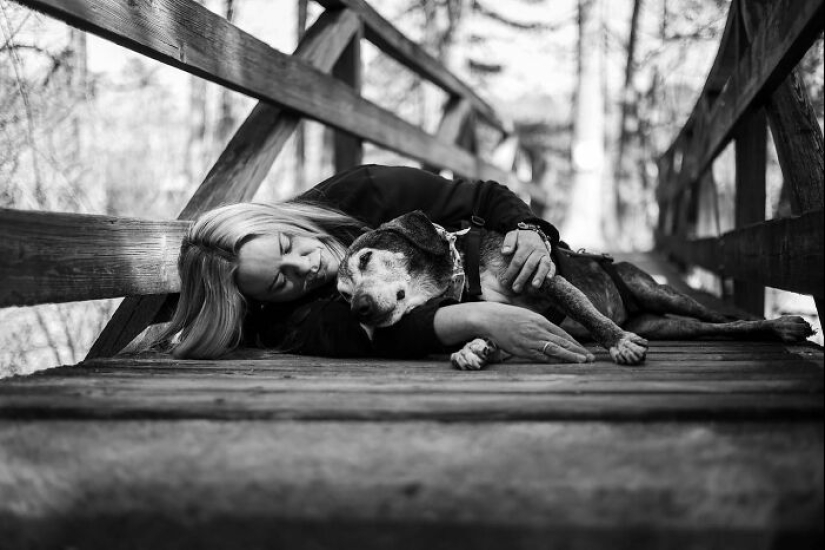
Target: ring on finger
{"points": [[544, 349]]}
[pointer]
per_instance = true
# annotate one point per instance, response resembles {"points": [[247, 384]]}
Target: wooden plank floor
{"points": [[715, 444]]}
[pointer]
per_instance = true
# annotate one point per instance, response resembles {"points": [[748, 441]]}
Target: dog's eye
{"points": [[364, 260], [400, 295]]}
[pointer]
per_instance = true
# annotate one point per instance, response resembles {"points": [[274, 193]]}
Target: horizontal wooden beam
{"points": [[783, 253], [53, 257], [392, 42], [777, 46], [186, 35]]}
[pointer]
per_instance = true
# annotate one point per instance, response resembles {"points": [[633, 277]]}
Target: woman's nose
{"points": [[299, 263]]}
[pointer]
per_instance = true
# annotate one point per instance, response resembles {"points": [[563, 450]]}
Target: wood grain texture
{"points": [[186, 35], [784, 253], [53, 257], [245, 162], [777, 45], [256, 384], [238, 172], [410, 485]]}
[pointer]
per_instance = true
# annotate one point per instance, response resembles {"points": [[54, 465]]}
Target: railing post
{"points": [[348, 150], [751, 163]]}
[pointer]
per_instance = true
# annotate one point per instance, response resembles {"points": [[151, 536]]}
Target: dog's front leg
{"points": [[626, 348]]}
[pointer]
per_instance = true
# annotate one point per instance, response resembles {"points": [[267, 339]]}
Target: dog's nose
{"points": [[363, 306]]}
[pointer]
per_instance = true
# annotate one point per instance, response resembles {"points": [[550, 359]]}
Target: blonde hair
{"points": [[211, 309]]}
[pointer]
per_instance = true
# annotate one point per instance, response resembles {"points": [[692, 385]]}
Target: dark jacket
{"points": [[320, 323]]}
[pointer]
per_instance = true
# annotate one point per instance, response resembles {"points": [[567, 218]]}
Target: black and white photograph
{"points": [[412, 274]]}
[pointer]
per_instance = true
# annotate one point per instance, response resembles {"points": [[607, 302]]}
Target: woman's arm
{"points": [[516, 330], [376, 194]]}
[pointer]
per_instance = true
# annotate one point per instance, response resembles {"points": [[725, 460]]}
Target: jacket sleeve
{"points": [[377, 194], [325, 327], [413, 337]]}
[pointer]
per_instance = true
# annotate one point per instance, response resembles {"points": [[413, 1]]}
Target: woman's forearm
{"points": [[516, 330], [459, 323]]}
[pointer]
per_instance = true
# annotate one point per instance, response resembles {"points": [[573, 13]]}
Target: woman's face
{"points": [[281, 267]]}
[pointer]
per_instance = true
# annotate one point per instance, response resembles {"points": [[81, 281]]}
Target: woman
{"points": [[260, 274]]}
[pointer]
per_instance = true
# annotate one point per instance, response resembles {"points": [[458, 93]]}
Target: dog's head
{"points": [[388, 271]]}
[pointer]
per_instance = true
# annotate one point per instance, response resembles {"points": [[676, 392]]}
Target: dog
{"points": [[408, 261]]}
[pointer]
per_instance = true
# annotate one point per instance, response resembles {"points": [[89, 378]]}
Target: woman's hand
{"points": [[516, 330], [530, 261]]}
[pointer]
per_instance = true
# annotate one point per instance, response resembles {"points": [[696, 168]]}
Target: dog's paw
{"points": [[629, 350], [791, 328], [475, 355]]}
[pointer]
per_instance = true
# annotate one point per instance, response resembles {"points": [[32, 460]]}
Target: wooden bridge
{"points": [[710, 444]]}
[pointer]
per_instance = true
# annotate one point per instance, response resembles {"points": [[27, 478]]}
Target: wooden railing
{"points": [[59, 257], [753, 84]]}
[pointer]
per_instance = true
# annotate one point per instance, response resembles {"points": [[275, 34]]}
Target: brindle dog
{"points": [[408, 261]]}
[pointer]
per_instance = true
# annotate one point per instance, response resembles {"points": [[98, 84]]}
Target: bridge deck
{"points": [[709, 444]]}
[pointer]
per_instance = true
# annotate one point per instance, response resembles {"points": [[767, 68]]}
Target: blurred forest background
{"points": [[593, 87]]}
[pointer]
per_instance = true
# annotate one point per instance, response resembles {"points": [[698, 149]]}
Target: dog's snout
{"points": [[363, 306]]}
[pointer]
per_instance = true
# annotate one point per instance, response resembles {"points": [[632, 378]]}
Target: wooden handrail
{"points": [[392, 42], [54, 257], [762, 43], [779, 43], [196, 40]]}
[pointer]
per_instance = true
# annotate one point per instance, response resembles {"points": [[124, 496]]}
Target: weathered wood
{"points": [[238, 172], [779, 43], [54, 257], [410, 485], [597, 392], [392, 42], [451, 128], [349, 150], [782, 253], [192, 38], [248, 157], [750, 196]]}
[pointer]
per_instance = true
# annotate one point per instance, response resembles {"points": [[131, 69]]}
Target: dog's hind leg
{"points": [[625, 347], [788, 328], [658, 298]]}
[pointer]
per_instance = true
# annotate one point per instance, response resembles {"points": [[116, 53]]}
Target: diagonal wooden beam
{"points": [[392, 42], [456, 116], [238, 172]]}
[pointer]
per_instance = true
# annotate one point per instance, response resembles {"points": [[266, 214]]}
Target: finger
{"points": [[569, 343], [542, 271], [552, 350], [552, 272], [510, 241], [516, 263], [527, 270]]}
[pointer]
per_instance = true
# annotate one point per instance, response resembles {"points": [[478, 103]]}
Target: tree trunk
{"points": [[583, 223], [625, 186], [300, 131]]}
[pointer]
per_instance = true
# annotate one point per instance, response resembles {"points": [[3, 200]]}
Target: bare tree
{"points": [[583, 224]]}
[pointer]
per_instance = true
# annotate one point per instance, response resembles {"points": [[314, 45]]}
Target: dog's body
{"points": [[408, 261]]}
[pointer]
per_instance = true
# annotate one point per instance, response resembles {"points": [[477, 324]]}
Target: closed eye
{"points": [[364, 260]]}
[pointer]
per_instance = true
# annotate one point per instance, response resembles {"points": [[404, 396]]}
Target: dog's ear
{"points": [[417, 228]]}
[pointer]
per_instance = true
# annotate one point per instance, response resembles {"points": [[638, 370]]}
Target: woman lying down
{"points": [[265, 274]]}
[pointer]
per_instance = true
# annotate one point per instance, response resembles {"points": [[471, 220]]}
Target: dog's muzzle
{"points": [[364, 308]]}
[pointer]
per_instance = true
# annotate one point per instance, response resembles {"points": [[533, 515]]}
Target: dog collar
{"points": [[458, 278]]}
